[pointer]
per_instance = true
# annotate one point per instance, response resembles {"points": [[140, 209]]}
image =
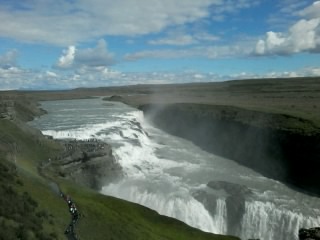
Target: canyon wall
{"points": [[279, 146]]}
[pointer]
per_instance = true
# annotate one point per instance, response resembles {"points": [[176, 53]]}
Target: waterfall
{"points": [[266, 221], [220, 217], [178, 204]]}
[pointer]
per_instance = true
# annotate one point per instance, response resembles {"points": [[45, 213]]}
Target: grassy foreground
{"points": [[31, 209]]}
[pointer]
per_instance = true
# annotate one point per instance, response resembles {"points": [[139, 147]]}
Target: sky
{"points": [[63, 44]]}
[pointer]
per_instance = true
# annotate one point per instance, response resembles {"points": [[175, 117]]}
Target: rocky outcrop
{"points": [[89, 163], [309, 234], [114, 98], [279, 146]]}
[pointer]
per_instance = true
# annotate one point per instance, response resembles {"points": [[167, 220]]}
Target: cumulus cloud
{"points": [[312, 11], [69, 22], [91, 57], [66, 60], [95, 57], [303, 36]]}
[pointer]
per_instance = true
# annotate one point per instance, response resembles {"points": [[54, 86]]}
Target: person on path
{"points": [[74, 214]]}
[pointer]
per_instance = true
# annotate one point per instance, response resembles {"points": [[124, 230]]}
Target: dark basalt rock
{"points": [[309, 234], [230, 188], [89, 163], [114, 98]]}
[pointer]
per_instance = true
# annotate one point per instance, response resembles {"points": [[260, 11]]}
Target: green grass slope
{"points": [[111, 218]]}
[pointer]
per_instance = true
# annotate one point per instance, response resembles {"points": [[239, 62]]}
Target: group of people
{"points": [[74, 214]]}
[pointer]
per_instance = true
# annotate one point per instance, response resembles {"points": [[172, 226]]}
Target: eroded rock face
{"points": [[309, 234], [234, 195], [235, 202], [88, 163]]}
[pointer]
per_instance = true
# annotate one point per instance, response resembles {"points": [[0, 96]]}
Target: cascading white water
{"points": [[265, 220], [166, 174], [220, 218], [178, 204]]}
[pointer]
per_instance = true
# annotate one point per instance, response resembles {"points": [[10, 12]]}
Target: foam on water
{"points": [[81, 133]]}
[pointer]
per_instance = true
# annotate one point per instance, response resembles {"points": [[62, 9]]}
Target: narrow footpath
{"points": [[75, 215], [73, 210]]}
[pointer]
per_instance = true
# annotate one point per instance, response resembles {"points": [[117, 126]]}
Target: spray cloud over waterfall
{"points": [[176, 178]]}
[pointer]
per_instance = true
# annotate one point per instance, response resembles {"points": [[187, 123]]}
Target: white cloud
{"points": [[273, 42], [288, 14], [69, 22], [98, 56], [91, 57], [312, 11], [209, 52], [15, 78], [179, 40], [312, 71], [9, 58], [183, 39], [66, 23], [303, 36], [292, 7], [66, 60], [51, 74], [223, 8]]}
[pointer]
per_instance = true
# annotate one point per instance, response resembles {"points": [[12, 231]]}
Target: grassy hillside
{"points": [[30, 208], [111, 218]]}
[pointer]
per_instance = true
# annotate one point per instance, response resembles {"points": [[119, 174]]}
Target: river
{"points": [[171, 175]]}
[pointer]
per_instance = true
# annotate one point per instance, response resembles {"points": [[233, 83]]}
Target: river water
{"points": [[171, 175]]}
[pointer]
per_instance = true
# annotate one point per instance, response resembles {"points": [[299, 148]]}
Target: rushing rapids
{"points": [[178, 179]]}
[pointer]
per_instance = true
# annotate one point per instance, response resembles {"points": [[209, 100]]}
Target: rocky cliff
{"points": [[89, 163], [282, 147]]}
